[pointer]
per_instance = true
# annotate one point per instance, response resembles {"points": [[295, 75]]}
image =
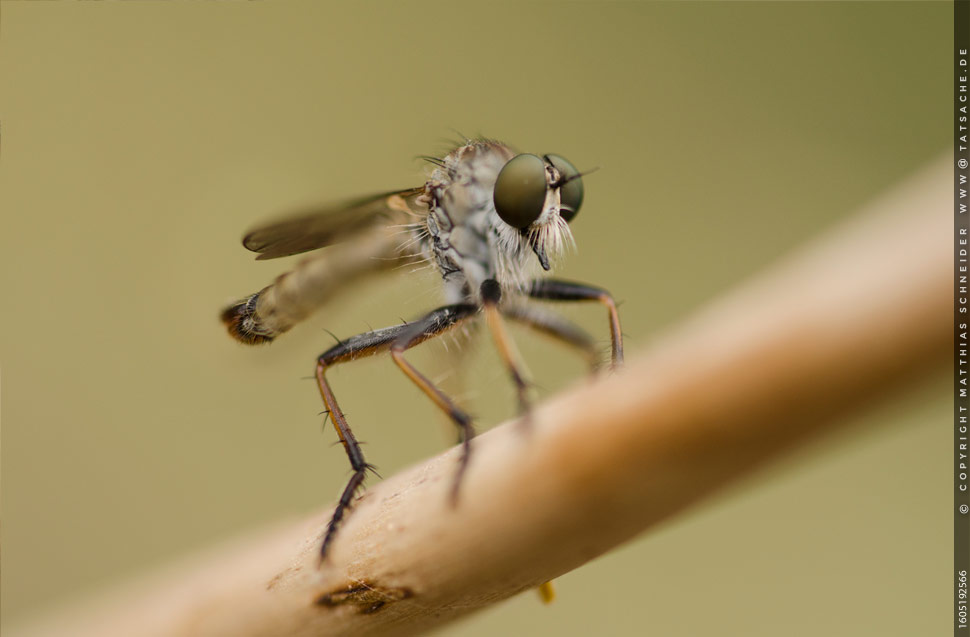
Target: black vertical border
{"points": [[961, 314]]}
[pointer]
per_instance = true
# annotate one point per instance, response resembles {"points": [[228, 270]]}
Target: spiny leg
{"points": [[433, 324], [368, 344], [491, 295], [556, 290], [557, 327]]}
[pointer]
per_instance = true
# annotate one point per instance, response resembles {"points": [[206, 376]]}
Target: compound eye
{"points": [[571, 191], [520, 190]]}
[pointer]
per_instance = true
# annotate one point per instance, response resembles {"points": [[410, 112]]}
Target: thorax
{"points": [[465, 239]]}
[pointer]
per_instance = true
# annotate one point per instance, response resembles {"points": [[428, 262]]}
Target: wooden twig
{"points": [[854, 316]]}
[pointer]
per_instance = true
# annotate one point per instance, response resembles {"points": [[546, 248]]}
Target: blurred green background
{"points": [[141, 139]]}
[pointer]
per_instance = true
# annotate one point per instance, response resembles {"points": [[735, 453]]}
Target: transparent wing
{"points": [[318, 227]]}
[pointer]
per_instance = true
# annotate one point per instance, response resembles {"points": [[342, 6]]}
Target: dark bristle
{"points": [[433, 160]]}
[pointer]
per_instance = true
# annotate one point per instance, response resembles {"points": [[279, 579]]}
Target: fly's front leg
{"points": [[368, 344], [491, 295], [557, 327], [556, 290]]}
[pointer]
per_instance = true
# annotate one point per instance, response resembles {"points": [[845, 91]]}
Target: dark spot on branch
{"points": [[367, 597]]}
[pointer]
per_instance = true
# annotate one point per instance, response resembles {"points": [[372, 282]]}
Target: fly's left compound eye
{"points": [[571, 190], [520, 190]]}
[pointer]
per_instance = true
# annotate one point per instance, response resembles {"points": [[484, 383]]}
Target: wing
{"points": [[319, 227]]}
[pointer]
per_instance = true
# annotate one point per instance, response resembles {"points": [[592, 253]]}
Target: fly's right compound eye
{"points": [[571, 190], [520, 190]]}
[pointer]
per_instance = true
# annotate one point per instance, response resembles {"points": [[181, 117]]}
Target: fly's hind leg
{"points": [[556, 290], [368, 344]]}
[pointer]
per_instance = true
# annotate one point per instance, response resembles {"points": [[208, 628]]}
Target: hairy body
{"points": [[488, 220]]}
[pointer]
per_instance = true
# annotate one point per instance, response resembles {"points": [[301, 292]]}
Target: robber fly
{"points": [[487, 220]]}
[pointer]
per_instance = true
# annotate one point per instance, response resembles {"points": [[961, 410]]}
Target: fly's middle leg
{"points": [[368, 344], [491, 295], [433, 324]]}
